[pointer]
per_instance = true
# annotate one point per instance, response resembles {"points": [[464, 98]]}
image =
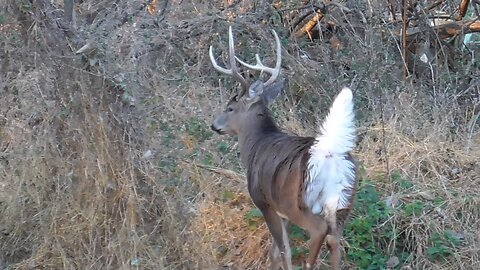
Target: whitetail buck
{"points": [[307, 181]]}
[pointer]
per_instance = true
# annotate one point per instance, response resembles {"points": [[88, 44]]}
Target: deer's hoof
{"points": [[307, 266]]}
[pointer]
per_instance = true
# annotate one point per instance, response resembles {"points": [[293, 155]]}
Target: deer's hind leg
{"points": [[333, 239], [333, 244], [316, 227]]}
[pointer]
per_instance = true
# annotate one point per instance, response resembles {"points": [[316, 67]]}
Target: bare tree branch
{"points": [[462, 10], [68, 6], [449, 29], [309, 25]]}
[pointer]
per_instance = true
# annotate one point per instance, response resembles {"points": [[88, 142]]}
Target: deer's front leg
{"points": [[278, 230], [275, 258]]}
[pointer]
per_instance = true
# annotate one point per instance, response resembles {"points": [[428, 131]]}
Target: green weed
{"points": [[443, 245], [253, 218], [227, 195], [297, 233], [167, 164], [368, 232], [413, 209], [198, 129], [208, 159], [253, 213], [401, 181], [222, 147], [152, 127], [299, 251], [168, 136]]}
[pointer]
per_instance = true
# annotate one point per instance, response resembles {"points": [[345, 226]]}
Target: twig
{"points": [[228, 173], [404, 37], [475, 8], [391, 10], [434, 5], [299, 8]]}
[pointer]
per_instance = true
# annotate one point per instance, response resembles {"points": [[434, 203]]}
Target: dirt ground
{"points": [[107, 160]]}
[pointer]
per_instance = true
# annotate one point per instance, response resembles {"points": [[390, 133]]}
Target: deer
{"points": [[307, 181]]}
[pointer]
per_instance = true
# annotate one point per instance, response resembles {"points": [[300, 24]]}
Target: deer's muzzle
{"points": [[217, 130]]}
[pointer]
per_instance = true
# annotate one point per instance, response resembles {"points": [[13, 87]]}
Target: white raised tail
{"points": [[332, 173]]}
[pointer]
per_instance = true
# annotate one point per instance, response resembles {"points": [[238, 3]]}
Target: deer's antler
{"points": [[261, 67], [233, 71]]}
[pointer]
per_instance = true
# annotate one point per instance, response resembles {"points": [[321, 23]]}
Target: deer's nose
{"points": [[216, 129]]}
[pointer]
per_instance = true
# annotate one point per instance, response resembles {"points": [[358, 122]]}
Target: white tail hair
{"points": [[337, 133], [330, 171]]}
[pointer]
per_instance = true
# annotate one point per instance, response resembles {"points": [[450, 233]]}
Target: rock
{"points": [[392, 262]]}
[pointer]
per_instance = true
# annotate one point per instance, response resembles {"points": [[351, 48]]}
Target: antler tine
{"points": [[233, 65], [261, 67], [233, 71], [216, 66]]}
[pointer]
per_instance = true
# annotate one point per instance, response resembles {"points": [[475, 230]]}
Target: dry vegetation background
{"points": [[107, 162]]}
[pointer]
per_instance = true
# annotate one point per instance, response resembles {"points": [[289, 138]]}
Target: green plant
{"points": [[208, 159], [24, 5], [168, 136], [442, 245], [198, 129], [299, 251], [222, 147], [167, 164], [152, 127], [413, 209], [297, 233], [274, 111], [253, 213], [401, 181], [253, 218], [368, 232], [227, 195]]}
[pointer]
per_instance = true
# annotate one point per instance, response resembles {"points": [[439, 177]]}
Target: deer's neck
{"points": [[258, 129]]}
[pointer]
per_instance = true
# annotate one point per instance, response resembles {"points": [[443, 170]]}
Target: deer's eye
{"points": [[229, 109]]}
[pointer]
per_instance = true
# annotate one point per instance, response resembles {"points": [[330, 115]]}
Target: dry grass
{"points": [[445, 178], [223, 231], [106, 160]]}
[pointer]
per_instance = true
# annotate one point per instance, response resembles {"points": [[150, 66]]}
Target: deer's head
{"points": [[249, 105]]}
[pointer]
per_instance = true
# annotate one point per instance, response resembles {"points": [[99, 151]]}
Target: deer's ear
{"points": [[256, 89], [271, 92], [266, 94]]}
